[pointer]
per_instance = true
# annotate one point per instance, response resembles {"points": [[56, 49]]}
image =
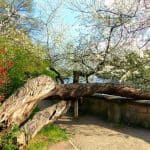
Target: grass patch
{"points": [[49, 134]]}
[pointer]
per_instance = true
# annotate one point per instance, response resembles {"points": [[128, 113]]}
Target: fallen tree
{"points": [[70, 91], [41, 119], [18, 107]]}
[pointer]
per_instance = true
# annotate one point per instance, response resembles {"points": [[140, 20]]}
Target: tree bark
{"points": [[18, 107], [41, 119], [58, 75], [73, 91]]}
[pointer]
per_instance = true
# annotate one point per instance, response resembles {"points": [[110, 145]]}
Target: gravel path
{"points": [[91, 133]]}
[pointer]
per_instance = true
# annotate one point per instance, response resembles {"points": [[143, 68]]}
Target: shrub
{"points": [[5, 65], [18, 62], [9, 140]]}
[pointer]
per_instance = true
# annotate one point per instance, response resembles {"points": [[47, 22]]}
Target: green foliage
{"points": [[28, 61], [48, 73], [139, 68], [53, 133], [38, 145], [8, 140], [49, 134]]}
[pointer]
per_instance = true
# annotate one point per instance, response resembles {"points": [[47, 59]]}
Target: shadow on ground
{"points": [[127, 131]]}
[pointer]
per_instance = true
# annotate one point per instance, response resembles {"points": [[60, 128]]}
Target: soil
{"points": [[91, 133]]}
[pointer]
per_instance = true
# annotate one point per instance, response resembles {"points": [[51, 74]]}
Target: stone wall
{"points": [[118, 109]]}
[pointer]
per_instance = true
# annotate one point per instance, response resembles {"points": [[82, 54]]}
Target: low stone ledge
{"points": [[137, 108], [118, 109]]}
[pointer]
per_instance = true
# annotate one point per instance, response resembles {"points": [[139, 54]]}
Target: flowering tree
{"points": [[113, 41]]}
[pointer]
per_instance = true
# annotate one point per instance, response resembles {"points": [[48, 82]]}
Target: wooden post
{"points": [[76, 108]]}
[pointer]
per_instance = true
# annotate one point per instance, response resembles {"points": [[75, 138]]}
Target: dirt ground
{"points": [[91, 133]]}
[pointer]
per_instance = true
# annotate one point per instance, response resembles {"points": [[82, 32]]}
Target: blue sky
{"points": [[65, 16]]}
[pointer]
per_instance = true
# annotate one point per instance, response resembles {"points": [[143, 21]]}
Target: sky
{"points": [[65, 15], [64, 12]]}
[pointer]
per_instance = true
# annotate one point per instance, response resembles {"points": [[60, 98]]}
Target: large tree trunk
{"points": [[41, 119], [17, 108], [73, 91]]}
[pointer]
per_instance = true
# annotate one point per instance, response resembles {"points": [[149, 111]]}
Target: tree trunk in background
{"points": [[76, 76], [58, 75]]}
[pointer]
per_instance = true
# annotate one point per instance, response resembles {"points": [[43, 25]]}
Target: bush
{"points": [[5, 65], [9, 140], [22, 62]]}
